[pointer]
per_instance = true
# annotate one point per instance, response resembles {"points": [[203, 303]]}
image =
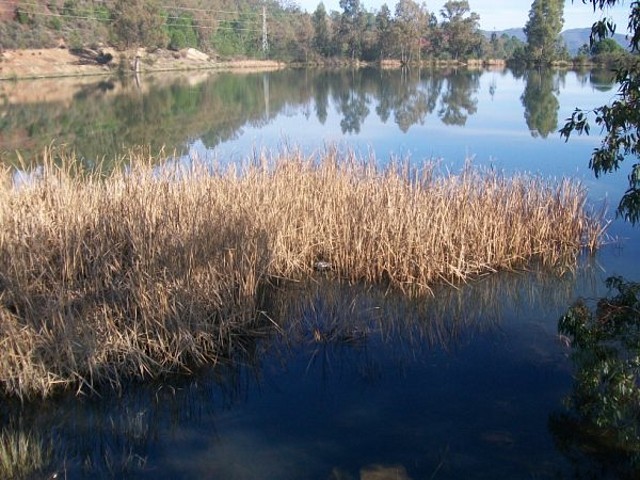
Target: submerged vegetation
{"points": [[149, 270]]}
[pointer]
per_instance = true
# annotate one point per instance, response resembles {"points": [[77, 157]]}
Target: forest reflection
{"points": [[104, 119]]}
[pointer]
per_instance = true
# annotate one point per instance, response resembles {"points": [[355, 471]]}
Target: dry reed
{"points": [[149, 270], [23, 455]]}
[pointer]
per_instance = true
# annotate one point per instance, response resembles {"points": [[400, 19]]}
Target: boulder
{"points": [[195, 54]]}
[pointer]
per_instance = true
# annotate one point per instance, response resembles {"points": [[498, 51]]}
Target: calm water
{"points": [[468, 384]]}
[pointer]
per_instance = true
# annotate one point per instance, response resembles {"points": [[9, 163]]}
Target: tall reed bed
{"points": [[149, 270]]}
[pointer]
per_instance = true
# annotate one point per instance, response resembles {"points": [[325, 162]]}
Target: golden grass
{"points": [[150, 270]]}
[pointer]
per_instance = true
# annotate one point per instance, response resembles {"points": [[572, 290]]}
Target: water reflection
{"points": [[290, 404], [321, 97], [591, 454], [540, 101], [352, 102], [599, 429], [104, 118], [603, 80], [458, 102]]}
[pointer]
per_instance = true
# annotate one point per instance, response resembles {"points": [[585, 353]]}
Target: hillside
{"points": [[577, 37], [27, 24]]}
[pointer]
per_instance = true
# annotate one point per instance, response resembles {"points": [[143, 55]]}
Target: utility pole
{"points": [[265, 41]]}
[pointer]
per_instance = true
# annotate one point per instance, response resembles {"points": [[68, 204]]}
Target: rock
{"points": [[88, 56], [323, 266], [103, 58], [194, 54]]}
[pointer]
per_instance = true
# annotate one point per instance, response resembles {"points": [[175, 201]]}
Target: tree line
{"points": [[407, 32]]}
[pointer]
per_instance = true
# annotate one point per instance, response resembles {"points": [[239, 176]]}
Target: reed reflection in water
{"points": [[338, 364]]}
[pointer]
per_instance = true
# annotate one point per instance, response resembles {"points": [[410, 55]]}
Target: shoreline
{"points": [[62, 62], [32, 64]]}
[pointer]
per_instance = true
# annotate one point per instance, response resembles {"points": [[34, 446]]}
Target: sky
{"points": [[500, 14]]}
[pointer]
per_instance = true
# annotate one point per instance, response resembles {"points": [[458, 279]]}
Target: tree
{"points": [[139, 23], [461, 31], [300, 40], [620, 119], [606, 397], [369, 45], [384, 30], [321, 37], [410, 22], [507, 45], [543, 30], [607, 51], [351, 26], [181, 31], [606, 46]]}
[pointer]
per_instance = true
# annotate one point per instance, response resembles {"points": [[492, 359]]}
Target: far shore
{"points": [[64, 62]]}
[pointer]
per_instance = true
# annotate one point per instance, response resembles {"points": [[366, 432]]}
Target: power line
{"points": [[166, 7], [60, 15], [177, 25], [167, 24], [204, 10], [172, 21]]}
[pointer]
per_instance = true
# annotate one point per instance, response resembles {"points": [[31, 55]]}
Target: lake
{"points": [[356, 382]]}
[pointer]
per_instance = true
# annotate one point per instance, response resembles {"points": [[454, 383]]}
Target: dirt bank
{"points": [[62, 62]]}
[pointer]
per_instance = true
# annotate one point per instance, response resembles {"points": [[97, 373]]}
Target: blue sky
{"points": [[501, 14]]}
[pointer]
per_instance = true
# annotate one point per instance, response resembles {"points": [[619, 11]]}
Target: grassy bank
{"points": [[147, 271]]}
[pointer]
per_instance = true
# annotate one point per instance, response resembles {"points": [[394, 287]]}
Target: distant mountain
{"points": [[513, 32], [574, 37]]}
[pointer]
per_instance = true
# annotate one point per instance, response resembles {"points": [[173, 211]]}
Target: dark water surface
{"points": [[462, 385], [353, 381]]}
